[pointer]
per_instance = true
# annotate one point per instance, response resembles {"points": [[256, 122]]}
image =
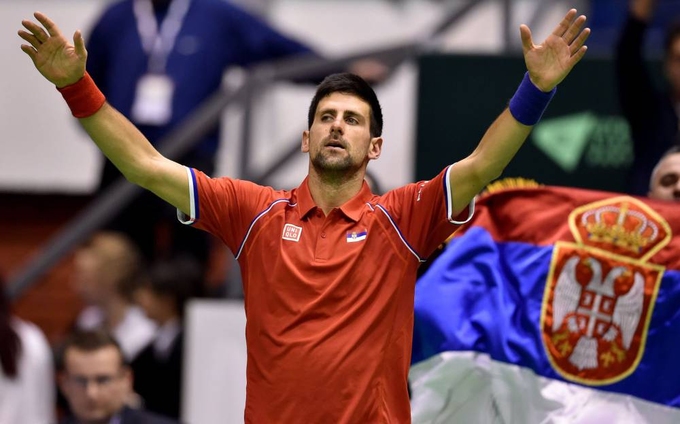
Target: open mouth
{"points": [[335, 144]]}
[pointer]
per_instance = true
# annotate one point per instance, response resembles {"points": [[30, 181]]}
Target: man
{"points": [[97, 383], [328, 269], [158, 368], [650, 112], [106, 270], [665, 181]]}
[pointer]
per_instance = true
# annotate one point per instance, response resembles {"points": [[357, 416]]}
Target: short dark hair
{"points": [[351, 84], [88, 341], [672, 33]]}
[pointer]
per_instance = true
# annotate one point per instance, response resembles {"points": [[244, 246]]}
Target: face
{"points": [[666, 179], [90, 279], [340, 139], [672, 66], [96, 384]]}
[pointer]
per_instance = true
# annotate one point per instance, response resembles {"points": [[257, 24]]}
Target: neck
{"points": [[115, 310], [166, 316], [331, 191]]}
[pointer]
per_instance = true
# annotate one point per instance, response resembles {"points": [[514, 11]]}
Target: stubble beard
{"points": [[333, 168]]}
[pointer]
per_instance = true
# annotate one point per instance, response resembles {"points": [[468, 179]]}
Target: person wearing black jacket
{"points": [[158, 367], [651, 111]]}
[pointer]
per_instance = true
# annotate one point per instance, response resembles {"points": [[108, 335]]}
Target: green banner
{"points": [[582, 140]]}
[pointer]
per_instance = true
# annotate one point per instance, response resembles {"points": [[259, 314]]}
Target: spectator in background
{"points": [[107, 268], [158, 368], [97, 382], [665, 181], [27, 392], [157, 61], [650, 111]]}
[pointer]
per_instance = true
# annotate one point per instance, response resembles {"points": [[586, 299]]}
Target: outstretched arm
{"points": [[547, 64], [63, 64]]}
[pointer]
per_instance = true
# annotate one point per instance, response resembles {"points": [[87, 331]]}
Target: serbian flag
{"points": [[553, 305]]}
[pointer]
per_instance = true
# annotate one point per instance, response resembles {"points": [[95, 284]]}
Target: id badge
{"points": [[153, 100]]}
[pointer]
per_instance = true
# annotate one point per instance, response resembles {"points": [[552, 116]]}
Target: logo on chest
{"points": [[291, 232], [356, 236]]}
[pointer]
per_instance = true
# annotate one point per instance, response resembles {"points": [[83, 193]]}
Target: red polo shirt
{"points": [[328, 299]]}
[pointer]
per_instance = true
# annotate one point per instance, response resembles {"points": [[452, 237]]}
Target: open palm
{"points": [[58, 61], [549, 63]]}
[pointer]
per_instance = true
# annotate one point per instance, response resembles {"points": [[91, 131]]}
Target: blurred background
{"points": [[452, 66]]}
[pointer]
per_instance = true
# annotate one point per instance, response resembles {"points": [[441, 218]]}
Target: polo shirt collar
{"points": [[352, 208]]}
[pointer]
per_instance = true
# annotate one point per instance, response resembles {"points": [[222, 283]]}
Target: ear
{"points": [[305, 142], [375, 148]]}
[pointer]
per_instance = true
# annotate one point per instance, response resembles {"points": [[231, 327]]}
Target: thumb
{"points": [[79, 44], [525, 35]]}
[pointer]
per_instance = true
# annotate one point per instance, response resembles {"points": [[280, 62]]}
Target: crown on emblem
{"points": [[621, 227], [622, 224]]}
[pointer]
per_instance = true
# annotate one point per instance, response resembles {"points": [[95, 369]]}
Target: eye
{"points": [[326, 118], [669, 180], [352, 121]]}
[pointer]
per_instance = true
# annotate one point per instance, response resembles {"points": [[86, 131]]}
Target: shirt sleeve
{"points": [[224, 207], [423, 212]]}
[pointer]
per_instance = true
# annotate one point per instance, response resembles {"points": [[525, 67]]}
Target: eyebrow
{"points": [[346, 113]]}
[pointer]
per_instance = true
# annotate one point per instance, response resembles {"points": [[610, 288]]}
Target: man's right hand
{"points": [[60, 62]]}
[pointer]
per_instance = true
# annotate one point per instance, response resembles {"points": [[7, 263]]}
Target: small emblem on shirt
{"points": [[354, 236], [291, 232]]}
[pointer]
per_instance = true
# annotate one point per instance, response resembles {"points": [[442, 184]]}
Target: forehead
{"points": [[106, 360], [670, 164], [341, 102]]}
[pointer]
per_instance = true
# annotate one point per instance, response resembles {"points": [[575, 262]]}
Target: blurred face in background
{"points": [[95, 383], [665, 184], [90, 279]]}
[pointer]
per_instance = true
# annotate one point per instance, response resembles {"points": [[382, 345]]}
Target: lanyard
{"points": [[159, 43]]}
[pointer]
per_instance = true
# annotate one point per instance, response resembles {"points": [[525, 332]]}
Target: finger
{"points": [[580, 41], [574, 29], [30, 51], [576, 57], [525, 35], [35, 29], [30, 38], [79, 43], [563, 26], [50, 26]]}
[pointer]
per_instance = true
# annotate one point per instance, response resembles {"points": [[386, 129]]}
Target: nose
{"points": [[337, 125], [92, 390]]}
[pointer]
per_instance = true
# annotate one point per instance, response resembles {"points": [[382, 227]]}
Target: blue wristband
{"points": [[529, 103]]}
